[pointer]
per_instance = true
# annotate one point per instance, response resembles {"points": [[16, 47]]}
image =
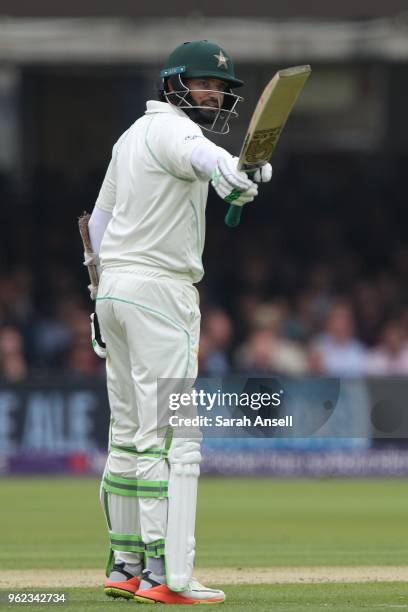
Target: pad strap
{"points": [[150, 452], [126, 542], [131, 487], [155, 549]]}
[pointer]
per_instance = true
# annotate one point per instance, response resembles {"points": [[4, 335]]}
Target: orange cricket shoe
{"points": [[195, 594], [120, 583]]}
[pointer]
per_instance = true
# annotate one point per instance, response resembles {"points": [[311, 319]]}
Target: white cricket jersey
{"points": [[156, 198]]}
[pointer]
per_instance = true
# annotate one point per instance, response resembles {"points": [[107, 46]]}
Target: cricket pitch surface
{"points": [[280, 575]]}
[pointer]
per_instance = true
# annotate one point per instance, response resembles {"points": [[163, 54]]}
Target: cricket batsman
{"points": [[147, 232]]}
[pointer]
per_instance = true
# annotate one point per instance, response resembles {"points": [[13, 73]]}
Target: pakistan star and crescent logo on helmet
{"points": [[222, 60]]}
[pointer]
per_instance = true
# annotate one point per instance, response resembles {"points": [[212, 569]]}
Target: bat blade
{"points": [[267, 122], [271, 114]]}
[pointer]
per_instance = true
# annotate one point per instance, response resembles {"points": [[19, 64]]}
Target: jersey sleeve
{"points": [[175, 143], [97, 226], [107, 194], [204, 158]]}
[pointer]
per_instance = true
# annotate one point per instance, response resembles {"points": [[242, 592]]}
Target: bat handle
{"points": [[233, 216]]}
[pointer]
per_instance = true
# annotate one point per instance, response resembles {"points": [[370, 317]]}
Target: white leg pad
{"points": [[184, 461], [122, 513]]}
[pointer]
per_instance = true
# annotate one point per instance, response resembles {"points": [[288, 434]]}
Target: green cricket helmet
{"points": [[201, 58], [196, 59]]}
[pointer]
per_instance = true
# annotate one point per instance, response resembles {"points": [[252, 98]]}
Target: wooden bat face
{"points": [[271, 113]]}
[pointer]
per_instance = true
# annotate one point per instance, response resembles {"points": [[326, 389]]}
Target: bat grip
{"points": [[233, 216]]}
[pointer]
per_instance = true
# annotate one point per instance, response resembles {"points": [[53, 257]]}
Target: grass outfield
{"points": [[262, 598], [58, 523], [242, 523]]}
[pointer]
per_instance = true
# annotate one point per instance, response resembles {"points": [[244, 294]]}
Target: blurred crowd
{"points": [[317, 332], [314, 281], [36, 341], [308, 337]]}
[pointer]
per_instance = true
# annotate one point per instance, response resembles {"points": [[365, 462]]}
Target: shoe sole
{"points": [[114, 592], [189, 602]]}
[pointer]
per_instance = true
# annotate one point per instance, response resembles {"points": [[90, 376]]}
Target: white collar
{"points": [[154, 106]]}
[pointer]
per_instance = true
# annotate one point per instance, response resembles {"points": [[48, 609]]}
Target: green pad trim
{"points": [[109, 563], [130, 487], [150, 452], [106, 508], [126, 542], [168, 439], [155, 549]]}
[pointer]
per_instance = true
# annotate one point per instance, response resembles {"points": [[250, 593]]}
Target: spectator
{"points": [[369, 310], [391, 355], [13, 366], [340, 352], [214, 343], [80, 357], [302, 322], [266, 351], [53, 333]]}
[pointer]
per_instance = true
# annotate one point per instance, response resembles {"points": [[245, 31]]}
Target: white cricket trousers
{"points": [[151, 326]]}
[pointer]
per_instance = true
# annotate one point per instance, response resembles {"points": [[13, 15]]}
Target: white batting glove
{"points": [[98, 343], [91, 259], [263, 174], [93, 291], [231, 184]]}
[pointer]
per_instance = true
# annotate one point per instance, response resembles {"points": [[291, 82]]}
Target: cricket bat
{"points": [[267, 123], [86, 241]]}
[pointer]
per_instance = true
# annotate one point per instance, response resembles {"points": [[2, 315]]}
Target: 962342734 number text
{"points": [[35, 598]]}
